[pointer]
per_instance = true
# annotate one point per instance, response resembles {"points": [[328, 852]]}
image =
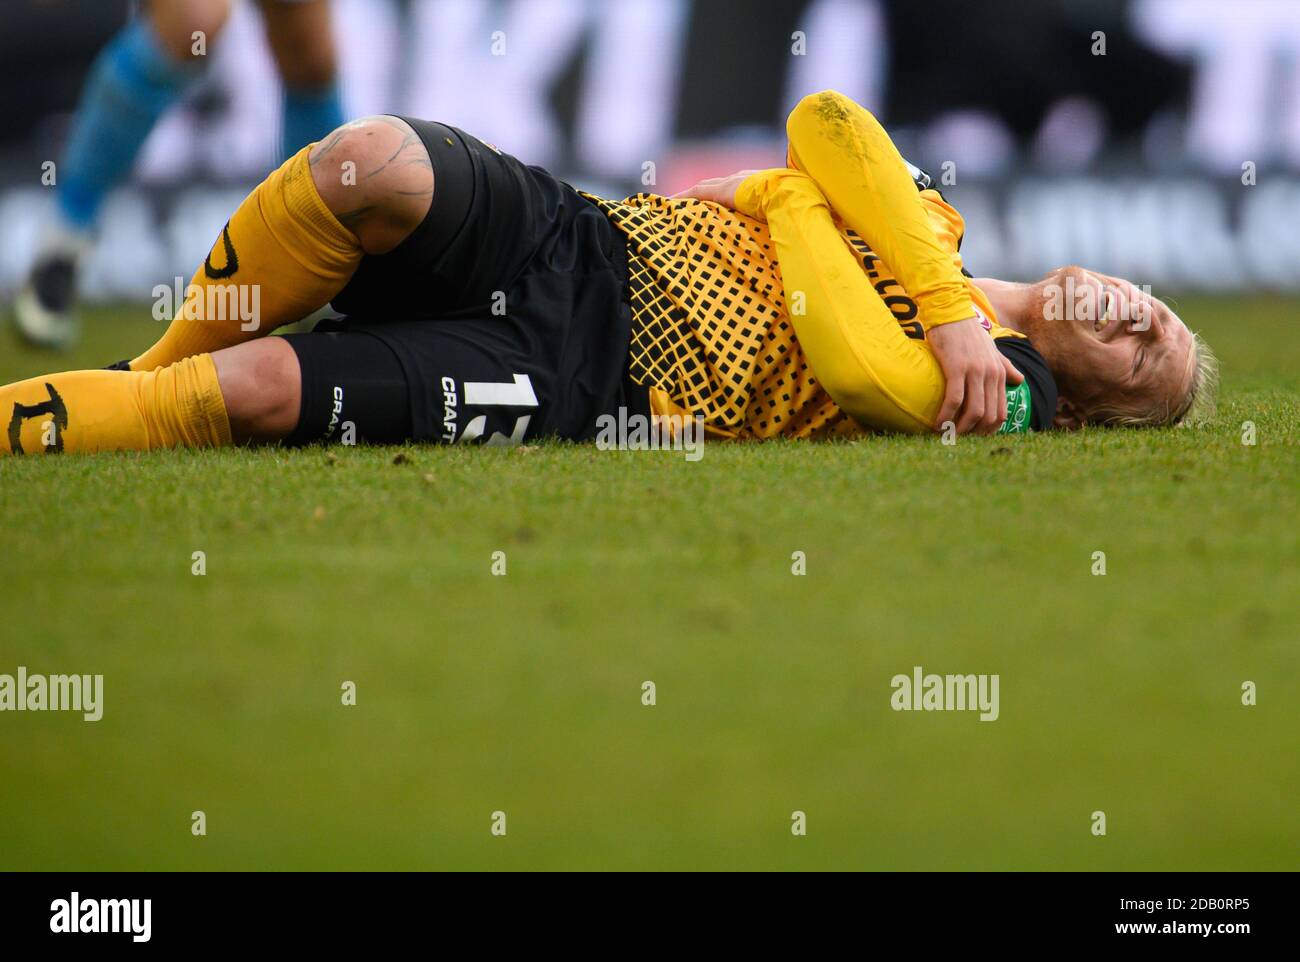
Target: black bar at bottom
{"points": [[333, 911]]}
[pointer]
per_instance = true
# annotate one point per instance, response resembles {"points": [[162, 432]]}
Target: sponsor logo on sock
{"points": [[54, 410], [232, 259]]}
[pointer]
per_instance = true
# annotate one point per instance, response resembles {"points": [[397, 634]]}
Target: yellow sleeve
{"points": [[857, 351], [843, 148]]}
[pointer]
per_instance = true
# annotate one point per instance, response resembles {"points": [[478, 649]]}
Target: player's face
{"points": [[1111, 345]]}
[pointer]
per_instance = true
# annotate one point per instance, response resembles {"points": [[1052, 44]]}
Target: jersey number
{"points": [[487, 394]]}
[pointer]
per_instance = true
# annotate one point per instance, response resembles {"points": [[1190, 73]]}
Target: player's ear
{"points": [[1068, 416]]}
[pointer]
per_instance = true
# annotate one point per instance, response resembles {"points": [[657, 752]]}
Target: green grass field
{"points": [[522, 693]]}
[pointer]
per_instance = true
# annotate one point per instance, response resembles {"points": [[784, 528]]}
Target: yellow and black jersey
{"points": [[749, 318], [712, 332]]}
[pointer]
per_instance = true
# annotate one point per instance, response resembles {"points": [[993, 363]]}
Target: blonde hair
{"points": [[1197, 406]]}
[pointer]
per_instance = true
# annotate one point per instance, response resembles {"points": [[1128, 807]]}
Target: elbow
{"points": [[853, 395], [819, 112], [875, 408]]}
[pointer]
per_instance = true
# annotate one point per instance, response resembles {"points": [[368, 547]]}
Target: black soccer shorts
{"points": [[503, 317]]}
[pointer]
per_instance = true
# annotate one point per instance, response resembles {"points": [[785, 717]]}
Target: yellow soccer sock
{"points": [[81, 411], [282, 256]]}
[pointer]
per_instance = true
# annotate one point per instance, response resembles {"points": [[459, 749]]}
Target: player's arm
{"points": [[843, 148], [858, 352], [851, 158]]}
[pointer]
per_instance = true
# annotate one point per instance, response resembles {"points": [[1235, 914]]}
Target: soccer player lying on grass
{"points": [[486, 300]]}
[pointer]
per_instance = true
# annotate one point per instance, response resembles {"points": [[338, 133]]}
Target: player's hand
{"points": [[977, 376], [720, 190]]}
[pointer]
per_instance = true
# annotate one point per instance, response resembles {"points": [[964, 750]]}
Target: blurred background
{"points": [[1131, 161]]}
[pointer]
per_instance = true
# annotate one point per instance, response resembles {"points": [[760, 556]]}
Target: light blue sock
{"points": [[130, 84], [308, 116]]}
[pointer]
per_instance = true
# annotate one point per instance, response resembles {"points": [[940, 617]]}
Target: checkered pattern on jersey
{"points": [[709, 320]]}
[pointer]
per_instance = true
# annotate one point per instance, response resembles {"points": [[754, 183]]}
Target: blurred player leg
{"points": [[145, 68], [300, 38]]}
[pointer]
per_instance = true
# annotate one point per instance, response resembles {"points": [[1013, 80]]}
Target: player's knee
{"points": [[340, 160], [261, 384], [187, 28], [375, 176]]}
